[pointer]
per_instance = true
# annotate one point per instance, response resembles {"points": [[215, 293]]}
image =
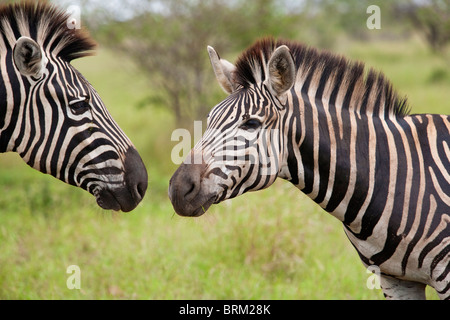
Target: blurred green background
{"points": [[152, 71]]}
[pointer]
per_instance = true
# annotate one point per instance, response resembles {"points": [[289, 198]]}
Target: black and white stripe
{"points": [[347, 141], [53, 117]]}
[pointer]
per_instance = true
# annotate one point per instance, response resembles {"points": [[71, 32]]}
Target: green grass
{"points": [[272, 244], [234, 252]]}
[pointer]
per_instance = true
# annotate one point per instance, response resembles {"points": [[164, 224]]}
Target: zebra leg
{"points": [[396, 289]]}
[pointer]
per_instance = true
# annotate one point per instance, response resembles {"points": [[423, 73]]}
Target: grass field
{"points": [[273, 244]]}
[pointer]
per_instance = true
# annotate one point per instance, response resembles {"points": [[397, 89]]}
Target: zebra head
{"points": [[52, 116], [241, 149]]}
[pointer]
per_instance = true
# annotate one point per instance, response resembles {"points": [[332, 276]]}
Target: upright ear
{"points": [[282, 73], [28, 57], [224, 71]]}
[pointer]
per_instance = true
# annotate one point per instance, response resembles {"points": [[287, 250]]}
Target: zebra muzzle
{"points": [[128, 196], [186, 193]]}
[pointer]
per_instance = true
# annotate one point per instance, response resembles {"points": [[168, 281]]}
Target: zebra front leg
{"points": [[396, 289]]}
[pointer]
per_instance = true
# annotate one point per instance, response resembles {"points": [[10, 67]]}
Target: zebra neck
{"points": [[342, 160]]}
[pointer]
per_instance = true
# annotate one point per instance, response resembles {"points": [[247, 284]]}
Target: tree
{"points": [[432, 19], [168, 40]]}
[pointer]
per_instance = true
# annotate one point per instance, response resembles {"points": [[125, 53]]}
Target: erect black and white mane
{"points": [[47, 26], [324, 69]]}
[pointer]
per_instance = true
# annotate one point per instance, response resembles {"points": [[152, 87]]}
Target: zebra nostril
{"points": [[135, 176], [186, 189], [192, 190], [141, 188]]}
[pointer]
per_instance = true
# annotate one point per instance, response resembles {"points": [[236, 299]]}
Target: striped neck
{"points": [[334, 158], [340, 157]]}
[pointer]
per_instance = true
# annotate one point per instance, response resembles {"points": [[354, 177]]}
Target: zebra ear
{"points": [[28, 57], [282, 72], [224, 71]]}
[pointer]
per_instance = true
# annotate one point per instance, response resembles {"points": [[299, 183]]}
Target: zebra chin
{"points": [[117, 200], [194, 208]]}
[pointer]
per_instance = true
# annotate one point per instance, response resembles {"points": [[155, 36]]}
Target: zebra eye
{"points": [[251, 124], [79, 107]]}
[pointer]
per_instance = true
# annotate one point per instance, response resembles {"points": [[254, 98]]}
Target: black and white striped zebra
{"points": [[346, 140], [53, 117]]}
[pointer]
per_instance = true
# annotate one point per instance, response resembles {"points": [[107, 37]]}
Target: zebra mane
{"points": [[369, 89], [47, 25]]}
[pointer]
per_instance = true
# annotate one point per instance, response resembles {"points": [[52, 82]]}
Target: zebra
{"points": [[346, 139], [52, 116]]}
